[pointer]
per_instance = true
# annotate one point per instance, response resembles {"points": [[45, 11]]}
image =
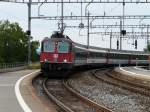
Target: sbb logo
{"points": [[55, 55]]}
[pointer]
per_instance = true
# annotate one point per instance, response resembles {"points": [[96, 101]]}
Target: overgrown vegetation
{"points": [[148, 48], [14, 44]]}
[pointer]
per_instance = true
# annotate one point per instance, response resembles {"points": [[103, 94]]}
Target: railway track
{"points": [[68, 99], [88, 94], [108, 77], [109, 93]]}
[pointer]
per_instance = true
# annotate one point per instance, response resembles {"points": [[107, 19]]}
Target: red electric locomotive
{"points": [[60, 53], [56, 53]]}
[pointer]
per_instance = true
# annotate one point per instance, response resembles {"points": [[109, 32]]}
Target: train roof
{"points": [[60, 37], [107, 50], [57, 36], [57, 39]]}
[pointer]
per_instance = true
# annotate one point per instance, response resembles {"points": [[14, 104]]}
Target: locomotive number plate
{"points": [[55, 55]]}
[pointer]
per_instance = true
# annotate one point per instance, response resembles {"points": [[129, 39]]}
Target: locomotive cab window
{"points": [[49, 46], [63, 47]]}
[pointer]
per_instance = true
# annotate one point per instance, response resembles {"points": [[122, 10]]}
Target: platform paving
{"points": [[137, 70], [8, 100]]}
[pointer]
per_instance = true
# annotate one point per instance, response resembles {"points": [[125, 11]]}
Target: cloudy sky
{"points": [[43, 28]]}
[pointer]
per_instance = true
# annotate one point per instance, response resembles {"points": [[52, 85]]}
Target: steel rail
{"points": [[132, 83], [124, 83], [91, 103], [59, 103]]}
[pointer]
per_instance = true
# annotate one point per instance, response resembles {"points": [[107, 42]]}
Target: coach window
{"points": [[103, 54], [49, 46], [63, 47]]}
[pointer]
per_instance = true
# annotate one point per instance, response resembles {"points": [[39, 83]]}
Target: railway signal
{"points": [[117, 44], [135, 44], [28, 32], [123, 32]]}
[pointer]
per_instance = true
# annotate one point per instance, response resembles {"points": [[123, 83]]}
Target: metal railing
{"points": [[12, 65]]}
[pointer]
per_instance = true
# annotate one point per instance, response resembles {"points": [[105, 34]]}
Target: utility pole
{"points": [[88, 31], [62, 17], [29, 31], [111, 40], [122, 30], [123, 13], [120, 34], [147, 36], [122, 24]]}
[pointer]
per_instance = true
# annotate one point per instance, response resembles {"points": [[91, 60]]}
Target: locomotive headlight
{"points": [[65, 60], [45, 60]]}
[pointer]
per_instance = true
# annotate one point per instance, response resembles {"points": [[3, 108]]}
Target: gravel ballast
{"points": [[113, 97]]}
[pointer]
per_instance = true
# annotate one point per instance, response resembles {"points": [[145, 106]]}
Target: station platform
{"points": [[137, 70], [134, 74], [17, 93], [8, 100]]}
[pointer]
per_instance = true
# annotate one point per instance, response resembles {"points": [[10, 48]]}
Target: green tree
{"points": [[147, 49], [13, 43]]}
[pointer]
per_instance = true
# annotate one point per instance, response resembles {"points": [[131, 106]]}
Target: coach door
{"points": [[129, 60], [107, 58]]}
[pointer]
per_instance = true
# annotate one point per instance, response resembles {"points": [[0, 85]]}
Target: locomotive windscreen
{"points": [[49, 46], [63, 47]]}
